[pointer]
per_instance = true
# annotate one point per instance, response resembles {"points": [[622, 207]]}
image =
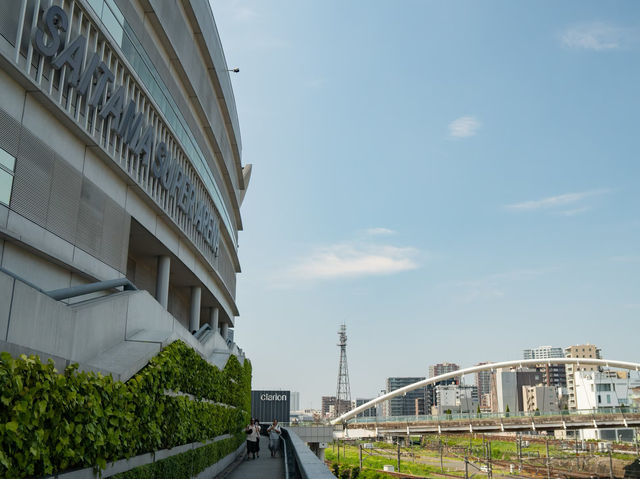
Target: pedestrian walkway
{"points": [[264, 466]]}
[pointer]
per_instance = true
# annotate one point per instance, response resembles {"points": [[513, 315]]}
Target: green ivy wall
{"points": [[51, 422]]}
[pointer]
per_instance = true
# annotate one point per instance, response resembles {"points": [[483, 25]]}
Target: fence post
{"points": [[360, 455], [548, 461], [611, 463], [466, 466], [398, 454], [441, 464]]}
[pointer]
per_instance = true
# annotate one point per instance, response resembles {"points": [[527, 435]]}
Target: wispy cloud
{"points": [[558, 201], [464, 127], [353, 259], [597, 36], [379, 231]]}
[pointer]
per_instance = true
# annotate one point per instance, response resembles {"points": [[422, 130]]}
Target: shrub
{"points": [[51, 422]]}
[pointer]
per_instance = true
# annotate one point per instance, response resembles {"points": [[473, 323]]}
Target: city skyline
{"points": [[449, 180]]}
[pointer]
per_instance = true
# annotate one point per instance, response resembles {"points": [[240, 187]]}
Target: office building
{"points": [[508, 388], [483, 382], [578, 351], [443, 368], [371, 412], [295, 400], [404, 405], [543, 352], [454, 398], [540, 398], [267, 405], [602, 390], [554, 374]]}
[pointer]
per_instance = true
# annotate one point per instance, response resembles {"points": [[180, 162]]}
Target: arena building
{"points": [[121, 182]]}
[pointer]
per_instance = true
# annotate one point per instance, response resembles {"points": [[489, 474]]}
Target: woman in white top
{"points": [[274, 437], [253, 436]]}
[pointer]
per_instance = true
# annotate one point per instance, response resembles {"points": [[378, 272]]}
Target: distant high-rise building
{"points": [[508, 387], [442, 368], [371, 412], [543, 352], [483, 382], [578, 351], [539, 398], [431, 399], [404, 405], [327, 402], [295, 401], [554, 374]]}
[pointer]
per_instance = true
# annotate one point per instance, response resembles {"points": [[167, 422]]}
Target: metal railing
{"points": [[495, 415], [199, 334], [299, 461], [81, 290]]}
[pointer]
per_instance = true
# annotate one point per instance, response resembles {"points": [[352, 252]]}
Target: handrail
{"points": [[81, 290], [203, 329], [304, 463], [20, 278], [285, 457]]}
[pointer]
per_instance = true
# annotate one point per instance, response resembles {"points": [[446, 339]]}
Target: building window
{"points": [[7, 167]]}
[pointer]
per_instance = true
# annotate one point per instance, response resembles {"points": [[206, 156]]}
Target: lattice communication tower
{"points": [[343, 393]]}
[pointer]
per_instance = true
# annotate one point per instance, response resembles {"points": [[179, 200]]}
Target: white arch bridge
{"points": [[496, 422]]}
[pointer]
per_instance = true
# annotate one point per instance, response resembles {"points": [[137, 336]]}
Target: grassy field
{"points": [[384, 454]]}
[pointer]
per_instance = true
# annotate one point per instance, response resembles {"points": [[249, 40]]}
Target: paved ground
{"points": [[264, 466]]}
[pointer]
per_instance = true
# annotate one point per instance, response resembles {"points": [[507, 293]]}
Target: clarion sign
{"points": [[273, 397], [127, 123]]}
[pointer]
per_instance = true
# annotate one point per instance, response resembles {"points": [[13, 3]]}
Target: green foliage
{"points": [[51, 422], [187, 464]]}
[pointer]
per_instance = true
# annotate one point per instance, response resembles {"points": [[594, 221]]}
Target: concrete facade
{"points": [[578, 351], [119, 159]]}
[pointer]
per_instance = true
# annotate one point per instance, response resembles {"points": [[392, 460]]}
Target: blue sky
{"points": [[456, 181]]}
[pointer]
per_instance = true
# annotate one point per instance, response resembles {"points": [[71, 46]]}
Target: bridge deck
{"points": [[265, 466]]}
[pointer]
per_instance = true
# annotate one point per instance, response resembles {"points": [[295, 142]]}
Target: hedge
{"points": [[187, 464], [51, 422]]}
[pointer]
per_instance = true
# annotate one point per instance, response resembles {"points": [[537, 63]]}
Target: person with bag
{"points": [[253, 436], [274, 437]]}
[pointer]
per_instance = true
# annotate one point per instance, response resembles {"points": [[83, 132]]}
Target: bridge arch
{"points": [[484, 367]]}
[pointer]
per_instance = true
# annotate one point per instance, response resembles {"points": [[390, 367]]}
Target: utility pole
{"points": [[548, 461], [611, 476], [520, 451], [360, 455], [577, 455], [338, 450], [398, 454], [490, 465], [466, 466], [441, 464]]}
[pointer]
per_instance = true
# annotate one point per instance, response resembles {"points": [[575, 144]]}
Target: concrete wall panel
{"points": [[104, 321], [39, 238], [35, 269], [40, 322], [144, 312], [104, 178], [6, 292], [93, 267], [140, 210], [12, 96], [47, 128]]}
